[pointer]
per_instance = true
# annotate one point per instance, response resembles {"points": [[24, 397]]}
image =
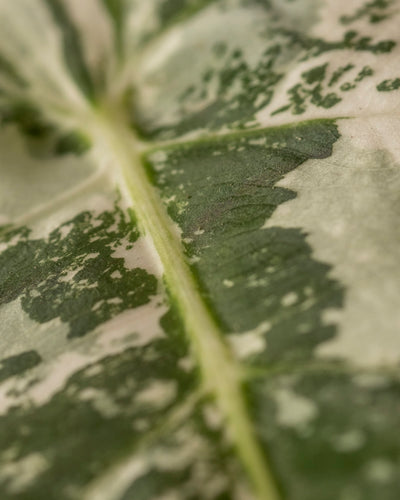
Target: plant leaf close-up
{"points": [[199, 249]]}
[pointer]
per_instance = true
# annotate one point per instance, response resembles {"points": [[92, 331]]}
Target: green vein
{"points": [[149, 147], [222, 375]]}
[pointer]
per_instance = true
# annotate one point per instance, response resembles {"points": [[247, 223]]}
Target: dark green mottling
{"points": [[338, 73], [389, 85], [28, 118], [228, 197], [365, 72], [311, 459], [189, 481], [116, 9], [74, 141], [168, 13], [76, 437], [311, 89], [225, 190], [225, 109], [351, 40], [171, 11], [375, 11], [34, 271], [255, 85], [41, 135], [73, 52], [8, 69], [18, 364]]}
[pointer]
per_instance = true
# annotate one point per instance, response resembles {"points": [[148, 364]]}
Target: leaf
{"points": [[199, 250]]}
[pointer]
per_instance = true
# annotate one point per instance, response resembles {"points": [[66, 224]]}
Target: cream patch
{"points": [[349, 205], [141, 255], [249, 343], [157, 394], [294, 410]]}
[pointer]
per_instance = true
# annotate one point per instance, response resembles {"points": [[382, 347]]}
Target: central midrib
{"points": [[221, 373]]}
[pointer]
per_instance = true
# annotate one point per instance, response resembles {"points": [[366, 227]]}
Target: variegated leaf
{"points": [[199, 254]]}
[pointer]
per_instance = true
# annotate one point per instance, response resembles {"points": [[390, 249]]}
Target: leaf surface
{"points": [[199, 249]]}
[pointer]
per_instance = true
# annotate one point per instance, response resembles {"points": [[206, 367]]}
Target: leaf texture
{"points": [[199, 279]]}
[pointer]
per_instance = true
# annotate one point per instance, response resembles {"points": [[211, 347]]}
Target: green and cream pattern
{"points": [[199, 250]]}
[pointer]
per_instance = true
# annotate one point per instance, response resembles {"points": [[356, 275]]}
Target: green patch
{"points": [[75, 142], [171, 11], [231, 89], [137, 411], [319, 419], [72, 47], [18, 364], [338, 73], [311, 90], [116, 10], [40, 133], [74, 275], [375, 11], [213, 474], [235, 109], [221, 192], [389, 85], [101, 415]]}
